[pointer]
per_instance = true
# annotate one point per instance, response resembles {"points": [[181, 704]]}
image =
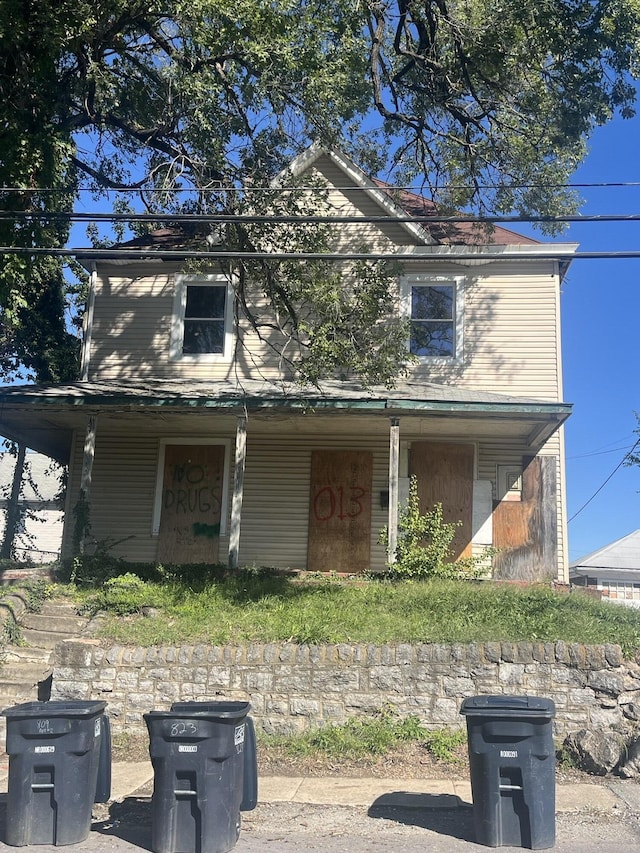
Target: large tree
{"points": [[489, 103]]}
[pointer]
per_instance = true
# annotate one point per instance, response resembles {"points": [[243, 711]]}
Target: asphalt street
{"points": [[301, 827]]}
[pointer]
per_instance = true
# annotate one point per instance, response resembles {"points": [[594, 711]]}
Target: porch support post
{"points": [[394, 469], [238, 489], [81, 510], [13, 509]]}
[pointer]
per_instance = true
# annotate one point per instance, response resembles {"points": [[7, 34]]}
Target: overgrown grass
{"points": [[369, 736], [266, 607]]}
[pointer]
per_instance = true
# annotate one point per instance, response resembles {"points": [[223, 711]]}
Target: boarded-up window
{"points": [[445, 475], [340, 511], [525, 532], [191, 503]]}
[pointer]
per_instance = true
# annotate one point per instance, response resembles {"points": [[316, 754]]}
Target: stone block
{"points": [[606, 681], [386, 678], [511, 674], [305, 708], [335, 680], [613, 655]]}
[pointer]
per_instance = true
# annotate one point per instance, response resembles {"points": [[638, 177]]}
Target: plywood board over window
{"points": [[340, 511], [192, 491], [444, 472], [525, 532]]}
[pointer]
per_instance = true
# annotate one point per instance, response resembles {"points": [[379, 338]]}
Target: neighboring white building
{"points": [[39, 534], [613, 570]]}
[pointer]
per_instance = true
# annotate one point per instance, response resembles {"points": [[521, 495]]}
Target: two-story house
{"points": [[186, 453]]}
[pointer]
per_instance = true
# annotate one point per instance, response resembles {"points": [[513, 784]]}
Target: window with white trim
{"points": [[202, 318], [434, 306]]}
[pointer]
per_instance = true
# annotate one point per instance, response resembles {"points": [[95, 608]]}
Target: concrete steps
{"points": [[25, 669]]}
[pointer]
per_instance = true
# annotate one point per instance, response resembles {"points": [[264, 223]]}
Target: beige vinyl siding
{"points": [[358, 202], [511, 342], [122, 494], [131, 323], [275, 508]]}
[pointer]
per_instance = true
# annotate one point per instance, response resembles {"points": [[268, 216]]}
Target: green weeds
{"points": [[365, 737], [269, 607]]}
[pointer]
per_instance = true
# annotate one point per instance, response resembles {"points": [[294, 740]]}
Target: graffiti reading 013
{"points": [[338, 502]]}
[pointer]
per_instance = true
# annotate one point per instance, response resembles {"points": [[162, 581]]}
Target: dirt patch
{"points": [[406, 761]]}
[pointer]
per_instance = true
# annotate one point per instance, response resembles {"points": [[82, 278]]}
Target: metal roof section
{"points": [[619, 557]]}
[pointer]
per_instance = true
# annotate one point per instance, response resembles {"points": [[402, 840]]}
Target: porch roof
{"points": [[44, 416]]}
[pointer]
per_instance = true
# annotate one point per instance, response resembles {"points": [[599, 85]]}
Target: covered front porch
{"points": [[275, 474]]}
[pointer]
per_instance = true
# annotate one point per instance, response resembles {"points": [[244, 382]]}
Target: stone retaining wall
{"points": [[292, 688]]}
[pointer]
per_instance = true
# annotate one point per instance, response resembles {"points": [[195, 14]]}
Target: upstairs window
{"points": [[204, 315], [202, 319], [434, 306], [433, 320]]}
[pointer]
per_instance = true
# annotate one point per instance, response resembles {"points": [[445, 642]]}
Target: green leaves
{"points": [[423, 549], [489, 103]]}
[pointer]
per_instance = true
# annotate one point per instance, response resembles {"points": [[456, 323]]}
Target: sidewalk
{"points": [[609, 795]]}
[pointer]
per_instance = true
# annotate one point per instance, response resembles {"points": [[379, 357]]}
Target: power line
{"points": [[412, 188], [596, 453], [224, 218], [597, 492]]}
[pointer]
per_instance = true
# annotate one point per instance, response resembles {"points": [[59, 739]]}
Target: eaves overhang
{"points": [[35, 414]]}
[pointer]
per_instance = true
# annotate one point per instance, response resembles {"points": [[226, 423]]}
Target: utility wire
{"points": [[254, 189], [597, 492], [427, 218], [596, 453]]}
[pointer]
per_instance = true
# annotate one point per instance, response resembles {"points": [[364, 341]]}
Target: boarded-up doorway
{"points": [[444, 472], [191, 503], [340, 511]]}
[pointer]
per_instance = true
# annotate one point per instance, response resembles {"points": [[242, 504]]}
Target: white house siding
{"points": [[41, 536], [40, 540]]}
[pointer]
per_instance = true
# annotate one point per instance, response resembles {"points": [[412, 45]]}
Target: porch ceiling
{"points": [[45, 417]]}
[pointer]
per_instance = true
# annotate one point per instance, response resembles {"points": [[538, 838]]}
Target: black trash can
{"points": [[59, 765], [204, 764], [512, 765]]}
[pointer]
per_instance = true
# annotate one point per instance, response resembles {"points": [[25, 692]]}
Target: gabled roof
{"points": [[398, 203], [402, 203], [454, 233], [621, 556]]}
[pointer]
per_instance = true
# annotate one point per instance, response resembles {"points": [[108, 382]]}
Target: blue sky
{"points": [[601, 347]]}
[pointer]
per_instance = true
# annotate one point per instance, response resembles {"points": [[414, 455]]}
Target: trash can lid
{"points": [[211, 711], [221, 709], [55, 709], [508, 706]]}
